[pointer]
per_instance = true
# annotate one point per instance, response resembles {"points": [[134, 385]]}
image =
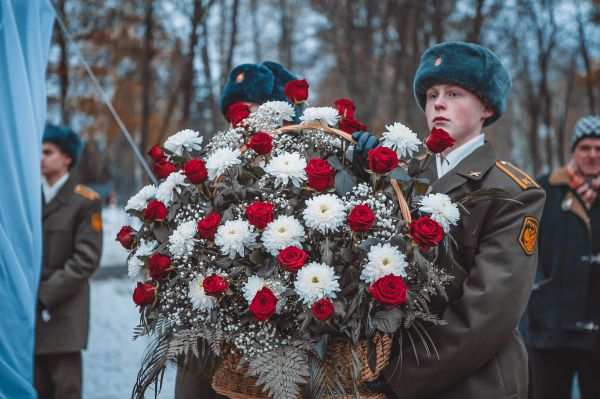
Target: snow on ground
{"points": [[112, 359]]}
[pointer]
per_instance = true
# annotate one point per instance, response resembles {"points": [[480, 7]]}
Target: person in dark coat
{"points": [[563, 331], [253, 85], [72, 234], [480, 354]]}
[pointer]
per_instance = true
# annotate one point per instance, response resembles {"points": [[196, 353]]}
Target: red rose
{"points": [[144, 294], [195, 171], [345, 107], [261, 143], [260, 214], [322, 309], [351, 126], [382, 160], [263, 305], [361, 218], [320, 175], [156, 211], [159, 266], [237, 113], [426, 232], [156, 153], [215, 285], [296, 91], [126, 236], [438, 140], [389, 290], [208, 226], [163, 168], [292, 258]]}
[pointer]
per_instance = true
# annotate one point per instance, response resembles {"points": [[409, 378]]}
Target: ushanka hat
{"points": [[65, 138], [470, 66], [588, 126], [255, 83]]}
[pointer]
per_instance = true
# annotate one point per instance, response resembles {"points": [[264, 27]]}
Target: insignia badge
{"points": [[475, 174], [239, 78], [438, 61], [96, 222], [528, 236]]}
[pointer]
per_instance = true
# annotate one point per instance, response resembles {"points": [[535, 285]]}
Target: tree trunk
{"points": [[286, 41], [232, 41], [63, 68], [146, 73], [188, 81]]}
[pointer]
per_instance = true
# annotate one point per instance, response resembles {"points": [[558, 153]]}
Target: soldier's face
{"points": [[457, 111], [54, 161], [587, 156]]}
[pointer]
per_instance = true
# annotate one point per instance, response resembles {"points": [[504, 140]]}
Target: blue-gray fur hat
{"points": [[588, 126], [66, 139], [255, 83], [470, 66]]}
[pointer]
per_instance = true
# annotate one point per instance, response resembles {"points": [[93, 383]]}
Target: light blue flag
{"points": [[25, 32]]}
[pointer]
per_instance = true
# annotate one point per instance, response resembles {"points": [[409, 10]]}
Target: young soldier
{"points": [[564, 310], [72, 228], [462, 88]]}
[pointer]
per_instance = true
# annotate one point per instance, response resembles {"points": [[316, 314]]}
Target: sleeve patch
{"points": [[528, 236], [96, 222], [86, 192], [521, 178]]}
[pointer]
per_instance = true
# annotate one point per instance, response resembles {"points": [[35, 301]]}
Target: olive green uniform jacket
{"points": [[481, 354], [72, 234]]}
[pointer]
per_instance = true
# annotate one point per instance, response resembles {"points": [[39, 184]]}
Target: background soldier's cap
{"points": [[65, 138], [588, 126], [470, 66], [255, 83]]}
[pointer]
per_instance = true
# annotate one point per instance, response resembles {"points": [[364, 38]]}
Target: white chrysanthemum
{"points": [[184, 139], [327, 116], [324, 212], [146, 248], [198, 297], [182, 240], [139, 201], [235, 235], [134, 267], [401, 139], [220, 160], [287, 167], [281, 233], [172, 184], [316, 281], [441, 208], [383, 260], [281, 110], [252, 286]]}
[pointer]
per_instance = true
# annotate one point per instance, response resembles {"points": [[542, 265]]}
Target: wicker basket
{"points": [[232, 382]]}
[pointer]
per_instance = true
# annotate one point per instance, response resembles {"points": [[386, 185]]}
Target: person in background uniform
{"points": [[253, 85], [72, 242], [564, 310], [462, 89]]}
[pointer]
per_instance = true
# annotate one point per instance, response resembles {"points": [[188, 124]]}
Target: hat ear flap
{"points": [[247, 83]]}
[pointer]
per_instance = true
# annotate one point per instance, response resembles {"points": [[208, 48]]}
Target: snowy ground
{"points": [[112, 359]]}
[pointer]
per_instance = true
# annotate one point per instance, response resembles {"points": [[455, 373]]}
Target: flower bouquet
{"points": [[264, 256]]}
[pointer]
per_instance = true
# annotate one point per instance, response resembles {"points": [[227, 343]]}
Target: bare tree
{"points": [[146, 74]]}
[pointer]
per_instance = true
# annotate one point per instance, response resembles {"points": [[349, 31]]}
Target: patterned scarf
{"points": [[587, 189]]}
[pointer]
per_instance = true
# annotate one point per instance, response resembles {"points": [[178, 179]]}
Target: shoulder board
{"points": [[521, 178], [86, 192]]}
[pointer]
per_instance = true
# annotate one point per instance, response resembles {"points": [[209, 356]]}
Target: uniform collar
{"points": [[454, 157], [50, 191]]}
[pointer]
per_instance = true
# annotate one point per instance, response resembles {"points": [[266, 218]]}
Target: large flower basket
{"points": [[231, 380]]}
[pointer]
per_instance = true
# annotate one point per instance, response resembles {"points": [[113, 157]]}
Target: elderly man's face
{"points": [[587, 156]]}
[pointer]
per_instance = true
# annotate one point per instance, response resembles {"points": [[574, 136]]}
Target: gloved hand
{"points": [[365, 142]]}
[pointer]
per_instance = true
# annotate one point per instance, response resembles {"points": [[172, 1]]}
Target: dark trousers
{"points": [[192, 382], [58, 376], [554, 369]]}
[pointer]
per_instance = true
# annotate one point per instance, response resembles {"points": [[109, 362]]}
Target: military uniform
{"points": [[481, 354], [72, 233]]}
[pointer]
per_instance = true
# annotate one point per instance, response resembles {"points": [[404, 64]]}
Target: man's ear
{"points": [[488, 111]]}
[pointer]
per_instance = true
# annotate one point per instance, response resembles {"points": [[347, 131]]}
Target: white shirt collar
{"points": [[454, 157], [51, 191]]}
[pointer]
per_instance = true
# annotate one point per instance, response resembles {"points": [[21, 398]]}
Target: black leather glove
{"points": [[365, 142]]}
